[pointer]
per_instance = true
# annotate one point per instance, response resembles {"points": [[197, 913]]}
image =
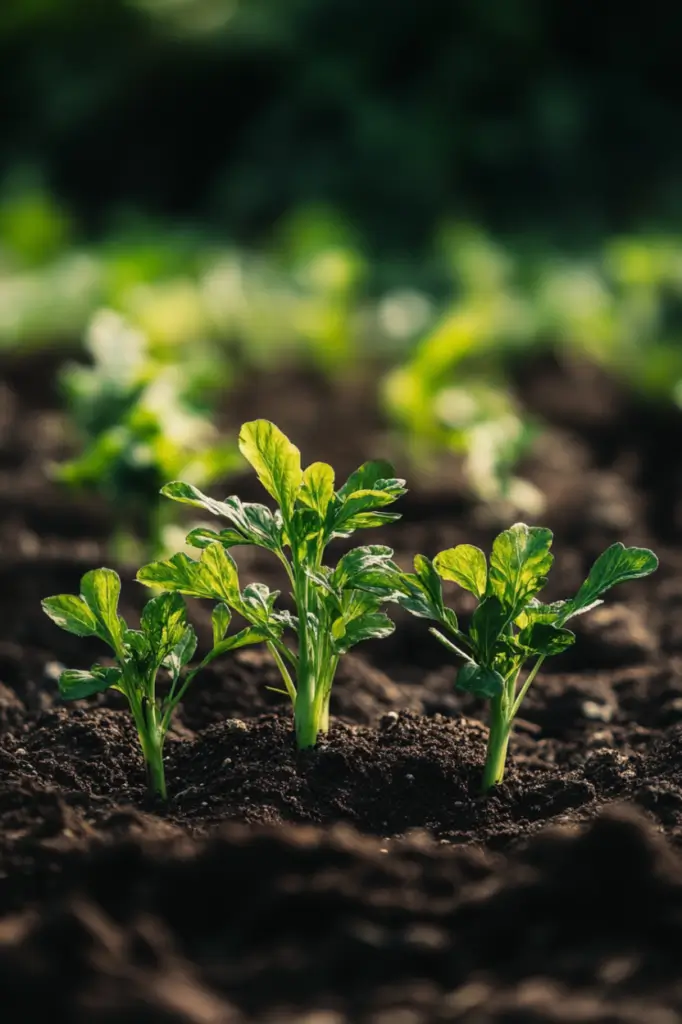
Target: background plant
{"points": [[332, 614], [165, 641], [137, 427]]}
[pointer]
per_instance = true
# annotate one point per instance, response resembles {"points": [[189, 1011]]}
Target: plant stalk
{"points": [[304, 711], [156, 771], [151, 740], [498, 742]]}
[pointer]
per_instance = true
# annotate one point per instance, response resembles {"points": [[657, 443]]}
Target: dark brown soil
{"points": [[366, 880]]}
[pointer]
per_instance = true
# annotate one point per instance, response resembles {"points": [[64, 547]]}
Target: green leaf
{"points": [[366, 476], [615, 565], [71, 613], [488, 621], [255, 523], [259, 601], [100, 589], [342, 510], [75, 684], [361, 563], [250, 635], [318, 487], [201, 537], [305, 534], [365, 521], [284, 619], [220, 620], [430, 580], [545, 638], [372, 626], [519, 564], [275, 459], [181, 654], [482, 682], [188, 494], [213, 576], [535, 611], [164, 621], [259, 525], [356, 603], [414, 598], [466, 565], [138, 646]]}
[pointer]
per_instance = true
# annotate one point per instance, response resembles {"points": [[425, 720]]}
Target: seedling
{"points": [[164, 640], [510, 626], [138, 428], [332, 614]]}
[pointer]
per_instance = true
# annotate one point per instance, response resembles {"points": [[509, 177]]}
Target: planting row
{"points": [[335, 608]]}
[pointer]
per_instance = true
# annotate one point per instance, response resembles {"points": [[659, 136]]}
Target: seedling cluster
{"points": [[335, 606]]}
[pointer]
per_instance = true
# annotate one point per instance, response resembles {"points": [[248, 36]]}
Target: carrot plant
{"points": [[332, 614], [164, 641], [510, 627]]}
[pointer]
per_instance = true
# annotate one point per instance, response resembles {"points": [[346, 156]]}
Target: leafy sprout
{"points": [[510, 626], [165, 641], [332, 613]]}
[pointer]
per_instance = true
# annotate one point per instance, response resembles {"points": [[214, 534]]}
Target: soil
{"points": [[366, 880]]}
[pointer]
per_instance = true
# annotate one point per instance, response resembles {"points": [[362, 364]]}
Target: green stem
{"points": [[503, 711], [498, 742], [153, 753], [304, 710], [151, 734], [284, 672], [526, 686], [173, 698], [324, 713]]}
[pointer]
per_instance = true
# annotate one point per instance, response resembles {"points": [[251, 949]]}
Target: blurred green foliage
{"points": [[138, 430], [344, 148], [553, 118]]}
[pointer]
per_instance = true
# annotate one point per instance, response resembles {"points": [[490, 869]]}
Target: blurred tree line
{"points": [[556, 118]]}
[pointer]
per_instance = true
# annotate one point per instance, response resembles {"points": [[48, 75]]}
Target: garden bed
{"points": [[366, 880]]}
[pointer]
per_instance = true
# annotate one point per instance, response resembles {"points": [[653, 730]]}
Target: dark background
{"points": [[556, 119]]}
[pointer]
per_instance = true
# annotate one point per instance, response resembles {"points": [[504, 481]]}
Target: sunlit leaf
{"points": [[546, 638], [318, 487], [465, 565], [275, 459], [74, 684], [71, 613], [164, 621], [519, 564], [615, 565], [220, 620], [214, 575]]}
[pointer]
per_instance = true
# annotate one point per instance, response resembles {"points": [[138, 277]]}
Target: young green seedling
{"points": [[332, 614], [510, 625], [164, 640]]}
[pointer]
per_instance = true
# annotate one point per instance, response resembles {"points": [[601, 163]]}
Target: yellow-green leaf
{"points": [[318, 487], [71, 613], [519, 564], [100, 590], [275, 459], [214, 575], [465, 565]]}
